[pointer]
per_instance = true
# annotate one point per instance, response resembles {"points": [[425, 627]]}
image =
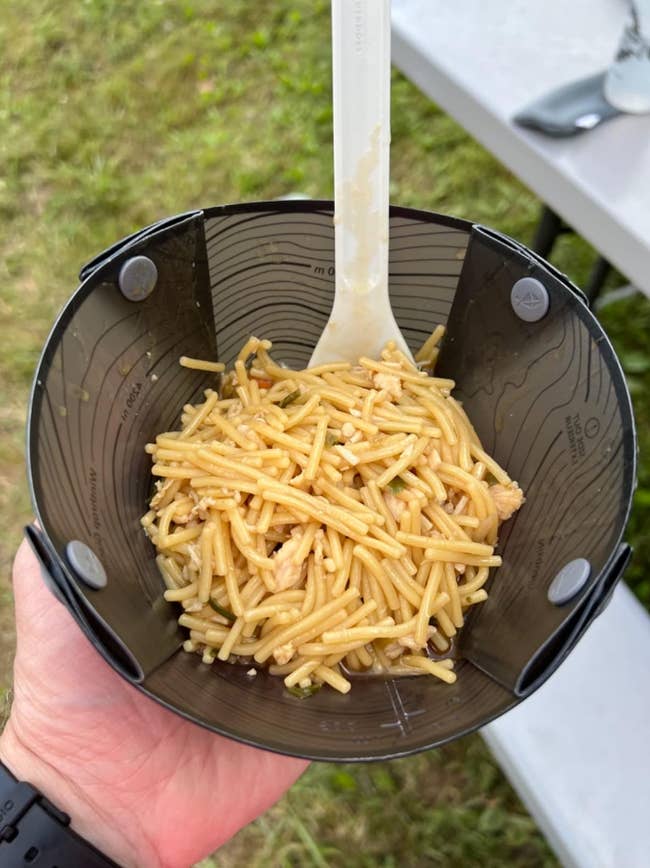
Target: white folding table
{"points": [[483, 61], [578, 750]]}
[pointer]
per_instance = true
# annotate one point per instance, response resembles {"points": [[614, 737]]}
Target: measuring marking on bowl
{"points": [[86, 564], [529, 299], [138, 278], [402, 716], [569, 581]]}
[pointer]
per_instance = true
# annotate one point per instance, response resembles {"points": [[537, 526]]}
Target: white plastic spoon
{"points": [[361, 321]]}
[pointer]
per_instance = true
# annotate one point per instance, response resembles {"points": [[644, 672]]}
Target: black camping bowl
{"points": [[537, 376]]}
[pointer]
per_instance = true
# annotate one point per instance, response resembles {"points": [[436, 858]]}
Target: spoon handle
{"points": [[361, 321], [361, 96]]}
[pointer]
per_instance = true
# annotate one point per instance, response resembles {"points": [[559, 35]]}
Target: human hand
{"points": [[145, 786]]}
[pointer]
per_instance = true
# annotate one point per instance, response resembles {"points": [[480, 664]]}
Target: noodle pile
{"points": [[323, 522]]}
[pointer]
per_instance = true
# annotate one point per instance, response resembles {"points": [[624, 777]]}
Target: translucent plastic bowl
{"points": [[547, 397]]}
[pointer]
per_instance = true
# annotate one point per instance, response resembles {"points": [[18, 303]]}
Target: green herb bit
{"points": [[221, 611], [331, 439], [396, 485], [304, 692], [289, 399]]}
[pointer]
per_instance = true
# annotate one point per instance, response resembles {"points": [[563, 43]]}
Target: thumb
{"points": [[36, 606]]}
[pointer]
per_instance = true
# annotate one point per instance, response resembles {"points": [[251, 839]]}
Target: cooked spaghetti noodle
{"points": [[328, 521]]}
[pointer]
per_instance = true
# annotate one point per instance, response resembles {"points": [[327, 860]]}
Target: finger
{"points": [[33, 600], [26, 572]]}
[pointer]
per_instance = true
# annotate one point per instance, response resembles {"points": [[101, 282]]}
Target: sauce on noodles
{"points": [[335, 520]]}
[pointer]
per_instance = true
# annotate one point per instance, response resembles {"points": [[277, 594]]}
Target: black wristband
{"points": [[34, 832]]}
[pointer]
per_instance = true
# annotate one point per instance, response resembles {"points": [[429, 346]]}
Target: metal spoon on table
{"points": [[361, 321]]}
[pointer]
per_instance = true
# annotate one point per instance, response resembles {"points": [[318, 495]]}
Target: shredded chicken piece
{"points": [[460, 505], [391, 384], [234, 409], [199, 510], [433, 457], [286, 573], [393, 650], [350, 433], [284, 653], [194, 554], [394, 504], [409, 642], [507, 499], [349, 457], [399, 646], [317, 548], [161, 490]]}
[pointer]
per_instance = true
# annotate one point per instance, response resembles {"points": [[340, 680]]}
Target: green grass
{"points": [[450, 808], [117, 113]]}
